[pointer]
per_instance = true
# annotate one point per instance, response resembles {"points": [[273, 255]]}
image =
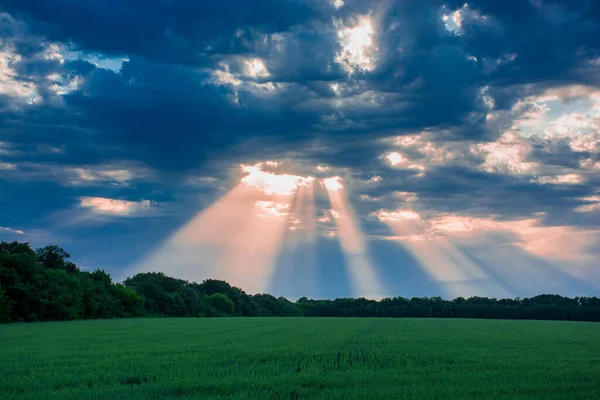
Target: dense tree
{"points": [[44, 285], [222, 304], [55, 257], [5, 307]]}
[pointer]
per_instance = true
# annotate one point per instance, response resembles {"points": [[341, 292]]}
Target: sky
{"points": [[320, 148]]}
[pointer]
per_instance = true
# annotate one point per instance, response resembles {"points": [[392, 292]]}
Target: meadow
{"points": [[300, 358]]}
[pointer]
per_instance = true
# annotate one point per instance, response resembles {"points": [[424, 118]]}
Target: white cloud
{"points": [[333, 183], [118, 174], [418, 153], [394, 158], [9, 230], [561, 179], [85, 175], [123, 208], [507, 155], [593, 204], [367, 198], [358, 48], [26, 90], [62, 85], [337, 3], [7, 166], [10, 85], [256, 68], [454, 20], [246, 81], [271, 183], [573, 124], [406, 196], [399, 215]]}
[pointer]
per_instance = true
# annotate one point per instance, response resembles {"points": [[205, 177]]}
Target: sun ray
{"points": [[237, 239], [251, 253], [439, 256], [365, 281], [298, 255]]}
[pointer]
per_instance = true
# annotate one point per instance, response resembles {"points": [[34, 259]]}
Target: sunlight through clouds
{"points": [[240, 237], [10, 82], [298, 253], [256, 68], [395, 158], [439, 242], [236, 239], [358, 49], [337, 3], [437, 255], [115, 207], [364, 278], [271, 183], [454, 20]]}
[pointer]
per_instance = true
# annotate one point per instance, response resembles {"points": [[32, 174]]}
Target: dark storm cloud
{"points": [[176, 31], [173, 105], [463, 190], [551, 42], [166, 114], [557, 153]]}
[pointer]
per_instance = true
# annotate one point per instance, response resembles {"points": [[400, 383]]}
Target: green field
{"points": [[300, 358]]}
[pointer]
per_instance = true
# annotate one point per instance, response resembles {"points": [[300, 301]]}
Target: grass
{"points": [[300, 358]]}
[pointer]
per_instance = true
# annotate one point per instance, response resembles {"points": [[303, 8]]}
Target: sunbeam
{"points": [[240, 236], [439, 256], [236, 239], [298, 254], [365, 282], [483, 256]]}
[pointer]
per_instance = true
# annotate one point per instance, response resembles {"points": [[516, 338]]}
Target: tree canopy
{"points": [[44, 285]]}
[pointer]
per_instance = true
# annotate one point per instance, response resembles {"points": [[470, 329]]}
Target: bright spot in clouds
{"points": [[271, 183], [507, 155], [256, 68], [561, 179], [333, 184], [395, 158], [453, 21], [397, 215], [338, 3], [10, 84], [358, 46], [593, 204], [103, 205]]}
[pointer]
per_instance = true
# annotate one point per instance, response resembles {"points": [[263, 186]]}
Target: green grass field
{"points": [[300, 358]]}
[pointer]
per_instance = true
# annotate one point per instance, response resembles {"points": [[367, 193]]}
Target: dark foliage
{"points": [[43, 285]]}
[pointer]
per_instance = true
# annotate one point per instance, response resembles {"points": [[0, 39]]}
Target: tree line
{"points": [[44, 285]]}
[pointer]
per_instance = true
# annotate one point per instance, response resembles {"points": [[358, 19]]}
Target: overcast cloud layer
{"points": [[465, 138]]}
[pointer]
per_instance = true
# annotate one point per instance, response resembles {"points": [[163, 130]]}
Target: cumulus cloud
{"points": [[116, 175], [121, 208], [13, 231]]}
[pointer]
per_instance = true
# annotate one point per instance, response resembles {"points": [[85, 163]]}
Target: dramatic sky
{"points": [[324, 148]]}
